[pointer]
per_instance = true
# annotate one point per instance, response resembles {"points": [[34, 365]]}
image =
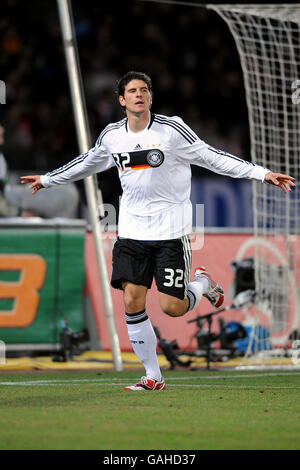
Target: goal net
{"points": [[268, 41]]}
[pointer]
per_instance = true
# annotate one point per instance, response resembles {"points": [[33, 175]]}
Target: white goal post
{"points": [[268, 41], [90, 183]]}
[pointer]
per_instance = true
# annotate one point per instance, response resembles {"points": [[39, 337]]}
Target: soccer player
{"points": [[154, 154]]}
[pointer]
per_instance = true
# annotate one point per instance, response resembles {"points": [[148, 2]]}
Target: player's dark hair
{"points": [[132, 75]]}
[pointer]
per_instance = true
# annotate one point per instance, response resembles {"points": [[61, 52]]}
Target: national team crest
{"points": [[155, 157], [138, 159]]}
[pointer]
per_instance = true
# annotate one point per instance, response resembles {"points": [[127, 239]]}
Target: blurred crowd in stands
{"points": [[188, 52]]}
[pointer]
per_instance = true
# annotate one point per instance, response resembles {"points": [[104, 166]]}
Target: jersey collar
{"points": [[152, 115]]}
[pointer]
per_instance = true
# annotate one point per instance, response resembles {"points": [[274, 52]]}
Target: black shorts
{"points": [[167, 261]]}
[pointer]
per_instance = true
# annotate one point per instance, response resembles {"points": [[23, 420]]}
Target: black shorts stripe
{"points": [[187, 259]]}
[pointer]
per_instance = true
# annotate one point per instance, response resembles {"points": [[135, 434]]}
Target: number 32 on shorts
{"points": [[174, 277]]}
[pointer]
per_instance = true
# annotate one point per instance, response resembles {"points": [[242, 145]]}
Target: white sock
{"points": [[195, 290], [143, 340]]}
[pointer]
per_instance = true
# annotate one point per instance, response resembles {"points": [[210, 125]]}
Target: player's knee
{"points": [[173, 309], [133, 303], [134, 300]]}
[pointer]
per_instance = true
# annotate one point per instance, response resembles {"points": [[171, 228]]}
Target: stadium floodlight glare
{"points": [[91, 189], [268, 41]]}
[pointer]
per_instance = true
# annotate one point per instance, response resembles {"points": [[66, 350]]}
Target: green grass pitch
{"points": [[211, 410]]}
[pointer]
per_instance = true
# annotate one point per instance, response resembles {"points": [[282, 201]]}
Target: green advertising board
{"points": [[41, 279]]}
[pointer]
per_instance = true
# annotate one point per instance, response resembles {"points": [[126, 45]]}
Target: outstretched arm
{"points": [[197, 152], [278, 179], [35, 181], [97, 159]]}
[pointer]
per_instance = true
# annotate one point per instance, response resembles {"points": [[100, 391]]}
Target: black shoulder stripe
{"points": [[109, 128], [117, 125], [151, 120], [184, 128], [221, 152], [171, 124]]}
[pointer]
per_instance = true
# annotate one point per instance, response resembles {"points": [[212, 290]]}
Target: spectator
{"points": [[6, 209], [14, 200]]}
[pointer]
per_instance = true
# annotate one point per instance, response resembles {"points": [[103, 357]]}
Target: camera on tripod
{"points": [[244, 275], [70, 342], [228, 334]]}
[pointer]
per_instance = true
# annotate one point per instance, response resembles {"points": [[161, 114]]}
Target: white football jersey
{"points": [[154, 167]]}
